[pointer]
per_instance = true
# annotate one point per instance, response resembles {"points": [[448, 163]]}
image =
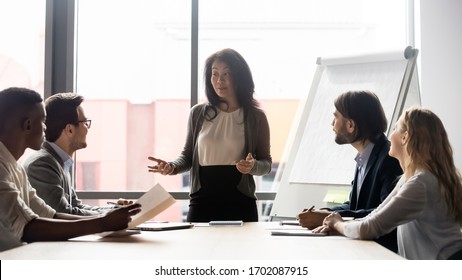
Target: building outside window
{"points": [[22, 37]]}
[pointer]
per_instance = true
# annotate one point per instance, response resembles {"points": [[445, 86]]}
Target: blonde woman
{"points": [[426, 204]]}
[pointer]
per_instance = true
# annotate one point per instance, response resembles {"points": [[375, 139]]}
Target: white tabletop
{"points": [[250, 241]]}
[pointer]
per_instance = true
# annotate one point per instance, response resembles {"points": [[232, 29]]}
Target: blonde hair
{"points": [[429, 148]]}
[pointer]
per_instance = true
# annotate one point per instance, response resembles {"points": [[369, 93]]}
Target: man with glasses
{"points": [[50, 169], [25, 217]]}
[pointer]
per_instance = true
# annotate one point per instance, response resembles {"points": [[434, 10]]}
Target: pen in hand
{"points": [[120, 202], [308, 210], [113, 204]]}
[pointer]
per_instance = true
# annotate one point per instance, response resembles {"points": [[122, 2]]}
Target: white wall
{"points": [[441, 65]]}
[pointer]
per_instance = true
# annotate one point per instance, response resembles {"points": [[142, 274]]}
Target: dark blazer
{"points": [[382, 173], [45, 170]]}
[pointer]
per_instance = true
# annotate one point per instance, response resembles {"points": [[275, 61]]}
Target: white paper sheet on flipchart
{"points": [[319, 159], [153, 202]]}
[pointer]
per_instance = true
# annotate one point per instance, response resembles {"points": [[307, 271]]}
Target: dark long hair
{"points": [[241, 77], [364, 108]]}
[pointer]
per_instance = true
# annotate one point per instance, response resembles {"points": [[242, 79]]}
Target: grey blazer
{"points": [[46, 174]]}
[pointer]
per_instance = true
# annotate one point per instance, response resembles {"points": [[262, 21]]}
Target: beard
{"points": [[343, 137]]}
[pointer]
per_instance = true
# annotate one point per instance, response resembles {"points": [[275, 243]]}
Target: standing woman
{"points": [[228, 141], [426, 204]]}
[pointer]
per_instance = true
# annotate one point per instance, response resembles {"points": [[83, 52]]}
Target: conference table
{"points": [[251, 241]]}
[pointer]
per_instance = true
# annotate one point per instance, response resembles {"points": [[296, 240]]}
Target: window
{"points": [[22, 53], [282, 41], [22, 47], [87, 176], [133, 65]]}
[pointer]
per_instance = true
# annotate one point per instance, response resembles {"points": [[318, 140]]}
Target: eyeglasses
{"points": [[86, 122]]}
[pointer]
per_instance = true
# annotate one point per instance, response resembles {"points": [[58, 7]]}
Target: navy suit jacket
{"points": [[382, 173]]}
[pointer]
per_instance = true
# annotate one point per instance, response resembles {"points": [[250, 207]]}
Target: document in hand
{"points": [[153, 202]]}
